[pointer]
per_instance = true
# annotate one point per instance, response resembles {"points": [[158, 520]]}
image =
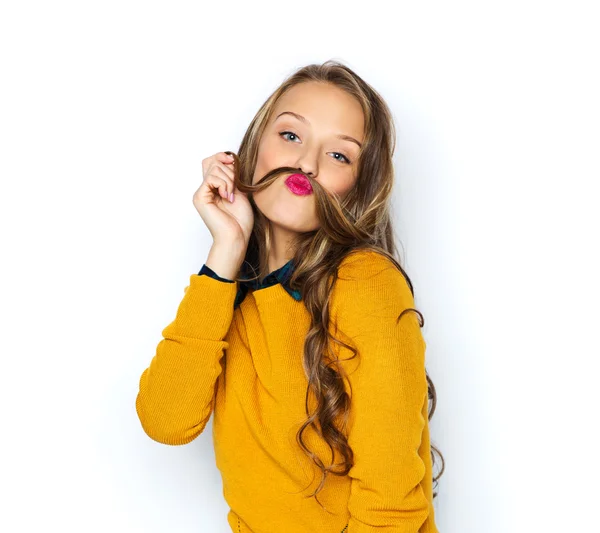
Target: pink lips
{"points": [[298, 184]]}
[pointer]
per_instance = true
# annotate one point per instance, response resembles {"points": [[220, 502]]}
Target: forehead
{"points": [[324, 106]]}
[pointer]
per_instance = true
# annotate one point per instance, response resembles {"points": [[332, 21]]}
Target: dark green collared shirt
{"points": [[281, 275]]}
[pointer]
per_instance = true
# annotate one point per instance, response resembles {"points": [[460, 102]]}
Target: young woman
{"points": [[299, 332]]}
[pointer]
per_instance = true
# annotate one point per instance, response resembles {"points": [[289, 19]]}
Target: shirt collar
{"points": [[282, 275]]}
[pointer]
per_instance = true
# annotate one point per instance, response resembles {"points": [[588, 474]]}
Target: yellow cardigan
{"points": [[245, 366]]}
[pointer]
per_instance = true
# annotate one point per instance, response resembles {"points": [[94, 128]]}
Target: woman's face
{"points": [[313, 146]]}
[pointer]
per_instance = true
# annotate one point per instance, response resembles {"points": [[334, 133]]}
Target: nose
{"points": [[311, 174], [307, 163]]}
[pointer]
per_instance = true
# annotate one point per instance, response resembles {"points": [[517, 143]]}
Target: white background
{"points": [[106, 111]]}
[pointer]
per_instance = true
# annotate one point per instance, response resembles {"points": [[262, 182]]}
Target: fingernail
{"points": [[231, 197]]}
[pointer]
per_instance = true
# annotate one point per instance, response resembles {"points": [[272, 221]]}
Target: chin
{"points": [[291, 219]]}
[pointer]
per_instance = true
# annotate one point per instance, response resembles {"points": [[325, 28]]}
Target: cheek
{"points": [[266, 160], [341, 186]]}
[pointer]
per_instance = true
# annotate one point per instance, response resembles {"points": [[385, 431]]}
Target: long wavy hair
{"points": [[360, 222]]}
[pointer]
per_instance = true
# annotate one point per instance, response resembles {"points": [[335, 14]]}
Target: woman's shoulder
{"points": [[369, 295], [360, 265], [369, 275], [363, 259]]}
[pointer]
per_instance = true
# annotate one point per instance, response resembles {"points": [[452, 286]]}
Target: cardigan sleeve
{"points": [[177, 390], [388, 405]]}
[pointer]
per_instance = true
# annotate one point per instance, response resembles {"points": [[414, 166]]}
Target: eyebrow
{"points": [[302, 119]]}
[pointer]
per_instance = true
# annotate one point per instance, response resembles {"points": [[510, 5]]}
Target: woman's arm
{"points": [[176, 391], [389, 487]]}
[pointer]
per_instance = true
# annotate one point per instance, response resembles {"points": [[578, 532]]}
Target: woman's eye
{"points": [[290, 132], [283, 133], [345, 158]]}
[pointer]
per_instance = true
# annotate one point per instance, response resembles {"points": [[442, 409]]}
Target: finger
{"points": [[220, 157], [213, 182], [216, 163], [226, 174], [224, 157], [229, 172], [220, 170]]}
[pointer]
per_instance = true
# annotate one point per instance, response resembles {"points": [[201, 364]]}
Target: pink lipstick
{"points": [[299, 184]]}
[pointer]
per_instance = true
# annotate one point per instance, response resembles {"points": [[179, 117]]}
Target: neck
{"points": [[281, 251]]}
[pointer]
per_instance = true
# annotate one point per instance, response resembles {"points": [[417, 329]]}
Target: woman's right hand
{"points": [[228, 222]]}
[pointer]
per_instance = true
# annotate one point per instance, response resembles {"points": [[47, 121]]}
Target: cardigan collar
{"points": [[281, 275]]}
